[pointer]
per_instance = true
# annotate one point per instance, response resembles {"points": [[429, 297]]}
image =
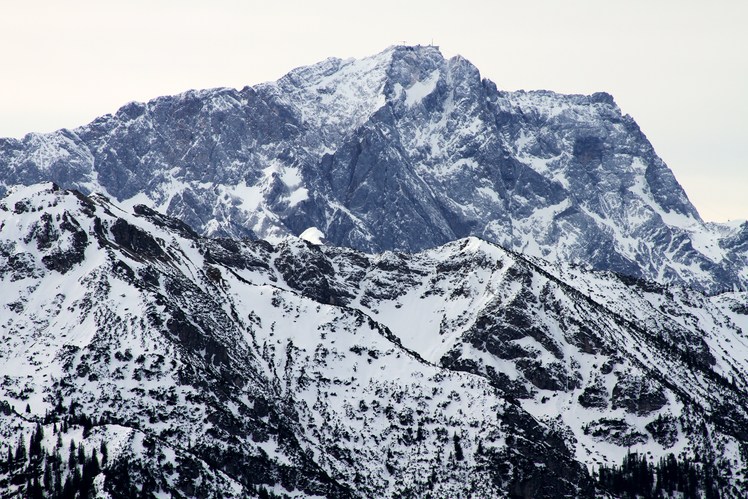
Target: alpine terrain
{"points": [[372, 278], [351, 146]]}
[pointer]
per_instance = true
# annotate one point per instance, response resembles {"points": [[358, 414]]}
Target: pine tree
{"points": [[72, 455], [20, 450], [76, 482], [94, 463], [56, 459], [60, 407], [104, 453], [458, 448], [35, 444], [636, 477], [57, 483], [90, 470], [47, 480], [68, 490], [36, 491]]}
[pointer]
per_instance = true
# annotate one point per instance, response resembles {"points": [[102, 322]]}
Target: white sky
{"points": [[680, 68]]}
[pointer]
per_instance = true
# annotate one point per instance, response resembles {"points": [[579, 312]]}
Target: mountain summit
{"points": [[404, 150]]}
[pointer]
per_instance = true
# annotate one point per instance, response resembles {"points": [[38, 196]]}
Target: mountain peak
{"points": [[402, 150]]}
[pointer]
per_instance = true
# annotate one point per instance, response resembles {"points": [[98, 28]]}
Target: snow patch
{"points": [[313, 235], [420, 89]]}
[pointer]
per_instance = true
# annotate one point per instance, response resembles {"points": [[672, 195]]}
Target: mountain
{"points": [[216, 367], [401, 151]]}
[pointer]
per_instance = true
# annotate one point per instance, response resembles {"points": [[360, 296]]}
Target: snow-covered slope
{"points": [[207, 374], [404, 150], [217, 367]]}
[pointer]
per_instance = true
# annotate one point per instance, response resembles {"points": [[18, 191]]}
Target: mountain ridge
{"points": [[294, 360], [492, 294], [351, 146], [194, 362]]}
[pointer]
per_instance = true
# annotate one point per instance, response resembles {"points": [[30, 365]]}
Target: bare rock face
{"points": [[615, 431], [61, 239], [638, 395], [595, 395], [551, 376], [402, 151], [664, 430]]}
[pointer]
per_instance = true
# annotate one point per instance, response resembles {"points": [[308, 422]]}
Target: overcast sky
{"points": [[680, 68]]}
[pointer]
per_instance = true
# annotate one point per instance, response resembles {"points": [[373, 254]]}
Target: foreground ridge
{"points": [[217, 367]]}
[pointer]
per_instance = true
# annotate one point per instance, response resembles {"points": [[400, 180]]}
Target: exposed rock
{"points": [[135, 239], [615, 431], [404, 150], [664, 430], [552, 376], [638, 395], [595, 395], [68, 252]]}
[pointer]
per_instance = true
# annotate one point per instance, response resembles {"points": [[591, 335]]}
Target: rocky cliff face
{"points": [[217, 367], [404, 150]]}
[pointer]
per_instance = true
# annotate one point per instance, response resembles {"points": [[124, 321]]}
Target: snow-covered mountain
{"points": [[404, 150], [219, 367]]}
